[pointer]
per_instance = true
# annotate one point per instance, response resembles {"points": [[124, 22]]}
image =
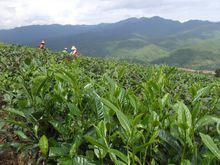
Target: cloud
{"points": [[22, 12]]}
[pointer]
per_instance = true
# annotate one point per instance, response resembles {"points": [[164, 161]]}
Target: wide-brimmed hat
{"points": [[43, 42], [73, 48]]}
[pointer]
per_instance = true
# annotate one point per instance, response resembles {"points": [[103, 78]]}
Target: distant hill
{"points": [[190, 58], [144, 54], [143, 40]]}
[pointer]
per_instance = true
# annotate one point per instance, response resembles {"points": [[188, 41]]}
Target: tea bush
{"points": [[93, 111]]}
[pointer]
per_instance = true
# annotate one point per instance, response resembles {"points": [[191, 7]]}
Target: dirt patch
{"points": [[197, 71], [11, 158], [2, 102]]}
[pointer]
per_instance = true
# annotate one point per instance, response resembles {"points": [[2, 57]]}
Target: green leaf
{"points": [[164, 100], [201, 92], [90, 154], [36, 130], [185, 162], [207, 140], [75, 161], [73, 150], [121, 95], [184, 115], [170, 140], [22, 135], [136, 120], [153, 162], [2, 124], [100, 147], [74, 110], [146, 145], [99, 106], [57, 125], [26, 90], [100, 153], [65, 161], [206, 120], [184, 119], [70, 76], [58, 151], [133, 102], [74, 147], [101, 129], [27, 61], [125, 123], [82, 161], [42, 84], [119, 154], [153, 137], [38, 84], [96, 143], [18, 123], [16, 112], [43, 144]]}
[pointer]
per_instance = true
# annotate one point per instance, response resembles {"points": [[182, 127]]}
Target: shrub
{"points": [[217, 72]]}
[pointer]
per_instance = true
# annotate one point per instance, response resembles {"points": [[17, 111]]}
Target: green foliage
{"points": [[2, 45], [43, 145], [211, 145], [192, 58], [92, 111], [144, 54], [217, 72]]}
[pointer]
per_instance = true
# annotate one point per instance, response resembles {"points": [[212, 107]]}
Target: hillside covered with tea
{"points": [[95, 111]]}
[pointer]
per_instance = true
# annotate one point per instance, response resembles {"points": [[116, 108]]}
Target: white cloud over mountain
{"points": [[27, 12]]}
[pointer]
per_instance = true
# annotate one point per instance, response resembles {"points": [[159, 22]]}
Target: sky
{"points": [[16, 13]]}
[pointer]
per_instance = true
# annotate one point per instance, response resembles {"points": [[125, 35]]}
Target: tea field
{"points": [[94, 111]]}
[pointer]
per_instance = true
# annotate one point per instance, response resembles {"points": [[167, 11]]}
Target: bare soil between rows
{"points": [[197, 71]]}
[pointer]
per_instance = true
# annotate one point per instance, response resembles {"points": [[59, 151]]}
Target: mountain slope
{"points": [[144, 54], [155, 30], [212, 45], [191, 58], [141, 40]]}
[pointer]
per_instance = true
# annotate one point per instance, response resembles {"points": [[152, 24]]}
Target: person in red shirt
{"points": [[42, 45], [74, 52]]}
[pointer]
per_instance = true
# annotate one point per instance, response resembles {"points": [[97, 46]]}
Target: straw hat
{"points": [[73, 48]]}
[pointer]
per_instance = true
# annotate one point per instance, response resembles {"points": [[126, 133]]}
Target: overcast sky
{"points": [[14, 13]]}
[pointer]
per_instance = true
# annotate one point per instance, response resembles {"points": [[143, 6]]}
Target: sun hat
{"points": [[73, 48]]}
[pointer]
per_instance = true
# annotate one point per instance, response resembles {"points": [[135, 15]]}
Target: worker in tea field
{"points": [[42, 45], [74, 52], [65, 51], [64, 55]]}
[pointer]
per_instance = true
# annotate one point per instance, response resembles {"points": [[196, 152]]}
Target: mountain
{"points": [[144, 54], [191, 58], [143, 40], [28, 35]]}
